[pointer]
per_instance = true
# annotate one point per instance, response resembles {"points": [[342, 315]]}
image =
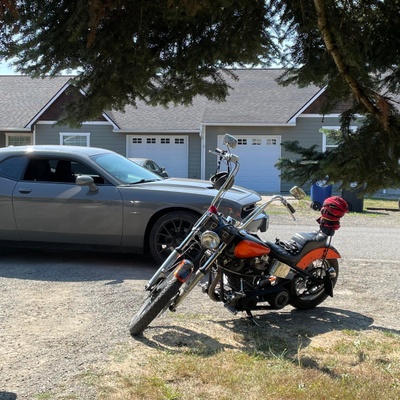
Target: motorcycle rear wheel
{"points": [[154, 303], [315, 294]]}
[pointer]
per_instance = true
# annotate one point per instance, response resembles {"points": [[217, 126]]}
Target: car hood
{"points": [[202, 188]]}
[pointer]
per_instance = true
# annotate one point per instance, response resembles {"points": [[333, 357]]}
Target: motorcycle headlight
{"points": [[209, 240]]}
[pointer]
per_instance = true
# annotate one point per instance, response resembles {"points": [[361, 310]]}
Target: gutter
{"points": [[15, 130], [150, 131]]}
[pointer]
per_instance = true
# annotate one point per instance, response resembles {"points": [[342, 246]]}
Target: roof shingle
{"points": [[22, 97], [256, 98]]}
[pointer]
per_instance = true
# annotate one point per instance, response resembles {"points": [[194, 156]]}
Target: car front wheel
{"points": [[169, 232]]}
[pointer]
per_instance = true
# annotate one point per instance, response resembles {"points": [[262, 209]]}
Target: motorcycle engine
{"points": [[248, 270]]}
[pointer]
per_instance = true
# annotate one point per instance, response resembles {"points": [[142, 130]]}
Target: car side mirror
{"points": [[87, 180]]}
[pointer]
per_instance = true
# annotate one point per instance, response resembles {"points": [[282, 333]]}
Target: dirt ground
{"points": [[64, 315]]}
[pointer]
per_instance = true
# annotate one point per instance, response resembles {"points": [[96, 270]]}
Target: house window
{"points": [[165, 141], [136, 140], [328, 140], [75, 139], [256, 142], [151, 140], [271, 142], [18, 139], [180, 141], [242, 142]]}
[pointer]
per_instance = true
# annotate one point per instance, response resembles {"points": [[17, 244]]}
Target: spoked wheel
{"points": [[169, 232], [156, 301], [305, 293]]}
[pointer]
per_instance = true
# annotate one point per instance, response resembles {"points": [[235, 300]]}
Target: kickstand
{"points": [[250, 317]]}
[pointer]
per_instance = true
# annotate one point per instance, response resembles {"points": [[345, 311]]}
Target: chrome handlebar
{"points": [[229, 157]]}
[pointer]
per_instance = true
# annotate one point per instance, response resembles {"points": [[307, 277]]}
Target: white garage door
{"points": [[257, 157], [170, 152]]}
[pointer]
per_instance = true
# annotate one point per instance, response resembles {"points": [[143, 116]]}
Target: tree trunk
{"points": [[344, 69]]}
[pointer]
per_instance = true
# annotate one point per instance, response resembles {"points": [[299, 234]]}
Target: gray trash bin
{"points": [[354, 198]]}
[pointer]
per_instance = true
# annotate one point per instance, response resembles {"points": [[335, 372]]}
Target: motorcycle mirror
{"points": [[297, 192], [230, 141]]}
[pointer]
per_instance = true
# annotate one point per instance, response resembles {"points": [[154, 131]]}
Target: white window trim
{"points": [[336, 128], [86, 134], [8, 135]]}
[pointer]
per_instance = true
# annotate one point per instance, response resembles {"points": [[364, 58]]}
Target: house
{"points": [[258, 111]]}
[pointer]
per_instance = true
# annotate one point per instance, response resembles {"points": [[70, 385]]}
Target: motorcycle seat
{"points": [[290, 252], [301, 238]]}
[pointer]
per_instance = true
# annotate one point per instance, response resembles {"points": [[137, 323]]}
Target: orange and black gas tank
{"points": [[250, 247]]}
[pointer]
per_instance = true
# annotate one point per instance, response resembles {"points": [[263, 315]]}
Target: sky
{"points": [[5, 69]]}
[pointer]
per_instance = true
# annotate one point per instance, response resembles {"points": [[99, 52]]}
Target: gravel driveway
{"points": [[63, 314]]}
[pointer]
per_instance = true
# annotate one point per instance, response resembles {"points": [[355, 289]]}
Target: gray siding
{"points": [[100, 136], [307, 133], [194, 156]]}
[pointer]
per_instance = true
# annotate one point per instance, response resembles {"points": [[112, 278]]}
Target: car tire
{"points": [[169, 232]]}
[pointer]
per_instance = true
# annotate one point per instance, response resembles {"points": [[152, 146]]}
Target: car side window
{"points": [[12, 167], [82, 169], [151, 166], [63, 171], [60, 170], [38, 169]]}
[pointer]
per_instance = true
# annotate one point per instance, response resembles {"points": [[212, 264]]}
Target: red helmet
{"points": [[332, 210]]}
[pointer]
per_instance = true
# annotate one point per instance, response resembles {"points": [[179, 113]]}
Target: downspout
{"points": [[202, 134]]}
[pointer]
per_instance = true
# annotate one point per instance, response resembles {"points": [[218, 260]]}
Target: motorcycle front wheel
{"points": [[305, 293], [156, 301]]}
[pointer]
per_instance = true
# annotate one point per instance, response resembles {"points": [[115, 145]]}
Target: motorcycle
{"points": [[237, 267]]}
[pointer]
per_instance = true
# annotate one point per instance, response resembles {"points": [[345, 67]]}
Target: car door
{"points": [[48, 207], [10, 171]]}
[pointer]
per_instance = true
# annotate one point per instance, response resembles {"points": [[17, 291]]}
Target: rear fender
{"points": [[184, 270], [317, 254]]}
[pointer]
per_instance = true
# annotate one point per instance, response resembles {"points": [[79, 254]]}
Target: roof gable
{"points": [[22, 97]]}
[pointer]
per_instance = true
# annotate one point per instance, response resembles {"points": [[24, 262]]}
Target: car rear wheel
{"points": [[169, 232]]}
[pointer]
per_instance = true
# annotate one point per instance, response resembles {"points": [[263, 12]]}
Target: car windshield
{"points": [[124, 170]]}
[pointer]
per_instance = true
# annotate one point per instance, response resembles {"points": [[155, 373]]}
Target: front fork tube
{"points": [[198, 276], [177, 252]]}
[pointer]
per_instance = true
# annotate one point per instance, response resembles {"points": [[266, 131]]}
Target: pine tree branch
{"points": [[344, 69]]}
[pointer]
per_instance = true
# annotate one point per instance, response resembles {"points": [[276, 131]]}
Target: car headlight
{"points": [[209, 240]]}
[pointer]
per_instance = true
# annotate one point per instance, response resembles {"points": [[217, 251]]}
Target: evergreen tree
{"points": [[158, 51], [351, 47], [168, 51]]}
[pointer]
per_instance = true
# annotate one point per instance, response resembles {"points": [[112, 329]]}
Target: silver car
{"points": [[73, 195], [151, 165]]}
